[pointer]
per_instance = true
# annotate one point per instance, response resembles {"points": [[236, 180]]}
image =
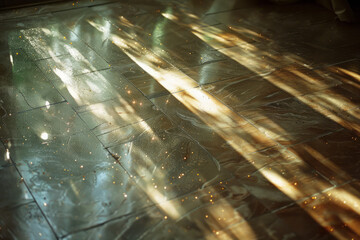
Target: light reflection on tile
{"points": [[77, 170], [336, 156], [233, 85], [206, 135], [25, 87], [133, 131], [72, 64], [217, 71], [167, 164], [241, 94], [289, 121], [141, 80], [347, 72], [4, 157], [343, 219], [297, 80], [208, 210], [107, 116], [46, 123], [335, 100], [294, 177]]}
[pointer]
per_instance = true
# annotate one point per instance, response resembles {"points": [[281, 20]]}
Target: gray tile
{"points": [[24, 222], [130, 132], [217, 71], [13, 189], [241, 94], [76, 182], [290, 121], [95, 31], [167, 164], [207, 133], [72, 64], [26, 87], [134, 226], [45, 123], [107, 116], [149, 86], [94, 87]]}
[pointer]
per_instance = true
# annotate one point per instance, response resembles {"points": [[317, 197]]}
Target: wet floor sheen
{"points": [[179, 120]]}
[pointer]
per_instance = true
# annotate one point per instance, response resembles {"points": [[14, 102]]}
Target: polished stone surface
{"points": [[156, 119], [15, 192], [25, 221], [336, 155], [290, 121]]}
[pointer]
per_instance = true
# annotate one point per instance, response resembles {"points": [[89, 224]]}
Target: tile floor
{"points": [[175, 119]]}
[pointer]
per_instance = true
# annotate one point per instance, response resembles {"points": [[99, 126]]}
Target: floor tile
{"points": [[303, 225], [244, 166], [163, 119], [78, 174], [45, 123], [297, 80], [290, 121], [347, 72], [113, 10], [107, 116], [267, 193], [167, 164], [25, 221], [336, 156], [294, 177], [96, 87], [242, 94], [348, 119], [267, 226], [271, 20], [134, 226], [185, 57], [231, 36], [26, 87], [207, 211], [333, 100], [133, 131], [217, 71], [149, 86], [43, 42], [337, 210], [14, 191], [72, 64], [206, 133], [95, 31]]}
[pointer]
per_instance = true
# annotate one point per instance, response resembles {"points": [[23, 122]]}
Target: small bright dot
{"points": [[45, 204], [7, 154], [44, 136], [47, 104]]}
